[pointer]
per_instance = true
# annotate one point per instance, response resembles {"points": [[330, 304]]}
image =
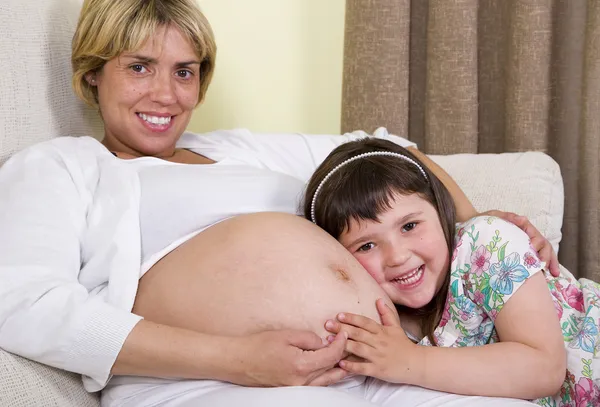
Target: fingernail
{"points": [[330, 338], [329, 325], [341, 317], [342, 363]]}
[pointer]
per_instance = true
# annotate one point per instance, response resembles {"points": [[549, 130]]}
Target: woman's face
{"points": [[146, 97]]}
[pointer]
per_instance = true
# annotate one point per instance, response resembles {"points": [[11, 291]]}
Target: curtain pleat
{"points": [[487, 76]]}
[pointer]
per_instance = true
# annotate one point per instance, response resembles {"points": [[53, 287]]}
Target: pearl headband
{"points": [[349, 160]]}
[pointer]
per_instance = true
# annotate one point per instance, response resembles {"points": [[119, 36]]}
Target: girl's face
{"points": [[405, 252]]}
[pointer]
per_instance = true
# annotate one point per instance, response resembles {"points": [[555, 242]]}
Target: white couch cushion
{"points": [[36, 99], [25, 384]]}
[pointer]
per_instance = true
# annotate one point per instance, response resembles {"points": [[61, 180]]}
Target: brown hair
{"points": [[363, 189], [107, 28]]}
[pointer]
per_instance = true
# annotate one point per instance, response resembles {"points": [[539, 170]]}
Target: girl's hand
{"points": [[386, 351], [538, 241]]}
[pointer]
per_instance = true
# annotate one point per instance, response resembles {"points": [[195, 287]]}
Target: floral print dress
{"points": [[492, 259]]}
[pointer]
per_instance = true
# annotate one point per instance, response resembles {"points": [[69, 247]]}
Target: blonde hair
{"points": [[107, 28]]}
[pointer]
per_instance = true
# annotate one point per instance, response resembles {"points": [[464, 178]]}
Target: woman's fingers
{"points": [[314, 361], [329, 376]]}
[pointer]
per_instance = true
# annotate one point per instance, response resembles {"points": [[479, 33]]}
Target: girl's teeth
{"points": [[155, 119], [412, 278]]}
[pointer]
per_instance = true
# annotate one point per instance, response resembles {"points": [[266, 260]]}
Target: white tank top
{"points": [[180, 200]]}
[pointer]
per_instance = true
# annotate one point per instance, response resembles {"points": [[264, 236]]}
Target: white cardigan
{"points": [[70, 240]]}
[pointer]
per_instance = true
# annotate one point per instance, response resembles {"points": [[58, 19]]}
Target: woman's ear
{"points": [[90, 78]]}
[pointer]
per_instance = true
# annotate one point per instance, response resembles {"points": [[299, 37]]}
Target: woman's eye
{"points": [[409, 226], [184, 74], [366, 247], [138, 68]]}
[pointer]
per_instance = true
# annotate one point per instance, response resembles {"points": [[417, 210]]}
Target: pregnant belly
{"points": [[257, 272]]}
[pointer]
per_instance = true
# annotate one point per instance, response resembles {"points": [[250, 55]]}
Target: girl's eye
{"points": [[138, 68], [184, 74], [366, 247], [409, 226]]}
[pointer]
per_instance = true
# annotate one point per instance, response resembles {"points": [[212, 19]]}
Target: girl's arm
{"points": [[529, 361], [495, 274]]}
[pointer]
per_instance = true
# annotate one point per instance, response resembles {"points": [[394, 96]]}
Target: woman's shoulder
{"points": [[61, 148], [77, 159]]}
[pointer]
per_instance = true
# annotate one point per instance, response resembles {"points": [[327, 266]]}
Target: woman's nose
{"points": [[163, 90]]}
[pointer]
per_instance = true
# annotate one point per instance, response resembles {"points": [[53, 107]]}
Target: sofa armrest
{"points": [[24, 383]]}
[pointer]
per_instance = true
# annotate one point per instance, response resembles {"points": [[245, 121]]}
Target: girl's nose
{"points": [[397, 255]]}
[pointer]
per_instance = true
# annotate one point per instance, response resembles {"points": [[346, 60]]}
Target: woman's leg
{"points": [[140, 392]]}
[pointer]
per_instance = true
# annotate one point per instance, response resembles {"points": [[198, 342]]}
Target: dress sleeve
{"points": [[46, 313], [294, 154], [493, 258]]}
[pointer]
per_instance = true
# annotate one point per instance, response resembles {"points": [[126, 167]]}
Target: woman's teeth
{"points": [[155, 119], [411, 278]]}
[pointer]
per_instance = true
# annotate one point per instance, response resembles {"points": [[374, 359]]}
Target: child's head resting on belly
{"points": [[394, 216]]}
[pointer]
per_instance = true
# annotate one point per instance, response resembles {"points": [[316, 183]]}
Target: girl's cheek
{"points": [[368, 266]]}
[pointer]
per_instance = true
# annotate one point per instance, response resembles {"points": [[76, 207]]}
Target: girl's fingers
{"points": [[360, 368], [359, 349], [354, 333], [388, 318], [359, 321]]}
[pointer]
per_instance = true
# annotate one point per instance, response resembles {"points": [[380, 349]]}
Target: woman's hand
{"points": [[538, 241], [386, 351], [285, 358]]}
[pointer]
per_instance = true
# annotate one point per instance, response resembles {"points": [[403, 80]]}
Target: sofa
{"points": [[37, 103]]}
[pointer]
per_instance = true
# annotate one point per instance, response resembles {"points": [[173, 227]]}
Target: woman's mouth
{"points": [[155, 123], [411, 279]]}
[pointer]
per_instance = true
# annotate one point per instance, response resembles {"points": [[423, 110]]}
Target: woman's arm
{"points": [[272, 358], [48, 315], [464, 208], [529, 361]]}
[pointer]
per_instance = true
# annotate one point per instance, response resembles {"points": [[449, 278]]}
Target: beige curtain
{"points": [[487, 76]]}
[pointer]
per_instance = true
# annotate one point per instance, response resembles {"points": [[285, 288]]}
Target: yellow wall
{"points": [[279, 66]]}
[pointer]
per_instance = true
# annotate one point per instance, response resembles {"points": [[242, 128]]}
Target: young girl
{"points": [[474, 296]]}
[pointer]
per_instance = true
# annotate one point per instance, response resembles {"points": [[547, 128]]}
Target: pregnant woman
{"points": [[158, 256]]}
